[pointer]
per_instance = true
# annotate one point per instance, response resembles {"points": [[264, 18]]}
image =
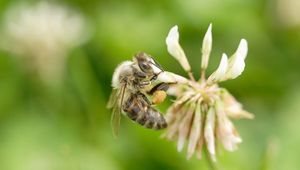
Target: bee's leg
{"points": [[160, 86], [142, 84], [159, 93], [145, 99], [140, 77], [163, 86], [153, 77]]}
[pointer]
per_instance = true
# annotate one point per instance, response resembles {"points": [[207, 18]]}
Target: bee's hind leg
{"points": [[159, 87], [143, 96], [159, 93]]}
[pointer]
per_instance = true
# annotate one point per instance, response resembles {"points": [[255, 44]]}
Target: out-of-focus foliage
{"points": [[67, 126]]}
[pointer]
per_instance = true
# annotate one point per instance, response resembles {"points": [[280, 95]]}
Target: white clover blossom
{"points": [[202, 110], [43, 34]]}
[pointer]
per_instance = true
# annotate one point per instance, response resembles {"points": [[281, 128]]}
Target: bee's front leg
{"points": [[143, 84], [153, 78]]}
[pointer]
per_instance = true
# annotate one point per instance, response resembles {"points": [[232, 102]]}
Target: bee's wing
{"points": [[115, 121], [117, 109], [112, 99]]}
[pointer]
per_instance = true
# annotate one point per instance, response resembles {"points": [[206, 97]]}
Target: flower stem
{"points": [[191, 76], [202, 73]]}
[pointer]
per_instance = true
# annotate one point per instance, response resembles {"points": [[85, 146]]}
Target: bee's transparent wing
{"points": [[112, 99], [117, 101], [115, 121]]}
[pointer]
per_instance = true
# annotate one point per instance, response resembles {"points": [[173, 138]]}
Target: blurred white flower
{"points": [[43, 34], [200, 114], [287, 12]]}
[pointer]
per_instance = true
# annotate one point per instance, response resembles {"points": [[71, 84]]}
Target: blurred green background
{"points": [[66, 126]]}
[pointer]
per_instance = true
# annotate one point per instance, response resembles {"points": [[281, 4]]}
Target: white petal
{"points": [[183, 98], [236, 62], [243, 48], [206, 47], [238, 66], [175, 49], [174, 90], [169, 77], [184, 127], [173, 35], [233, 108], [209, 133], [195, 132], [226, 132], [220, 72], [229, 136], [238, 114]]}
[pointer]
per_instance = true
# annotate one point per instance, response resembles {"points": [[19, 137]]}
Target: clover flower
{"points": [[200, 115], [42, 34]]}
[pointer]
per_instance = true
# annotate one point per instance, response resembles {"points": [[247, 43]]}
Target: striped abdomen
{"points": [[139, 109]]}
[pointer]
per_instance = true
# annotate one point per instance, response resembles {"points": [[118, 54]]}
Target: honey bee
{"points": [[132, 81]]}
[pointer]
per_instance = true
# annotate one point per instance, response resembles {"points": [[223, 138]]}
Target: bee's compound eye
{"points": [[145, 67]]}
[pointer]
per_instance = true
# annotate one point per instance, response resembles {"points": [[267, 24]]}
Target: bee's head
{"points": [[147, 64]]}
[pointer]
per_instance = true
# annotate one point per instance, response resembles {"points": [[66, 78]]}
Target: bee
{"points": [[132, 81]]}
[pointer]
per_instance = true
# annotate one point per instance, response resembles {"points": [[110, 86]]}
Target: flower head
{"points": [[200, 115]]}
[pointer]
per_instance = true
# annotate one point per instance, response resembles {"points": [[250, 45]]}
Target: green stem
{"points": [[202, 75], [191, 76]]}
